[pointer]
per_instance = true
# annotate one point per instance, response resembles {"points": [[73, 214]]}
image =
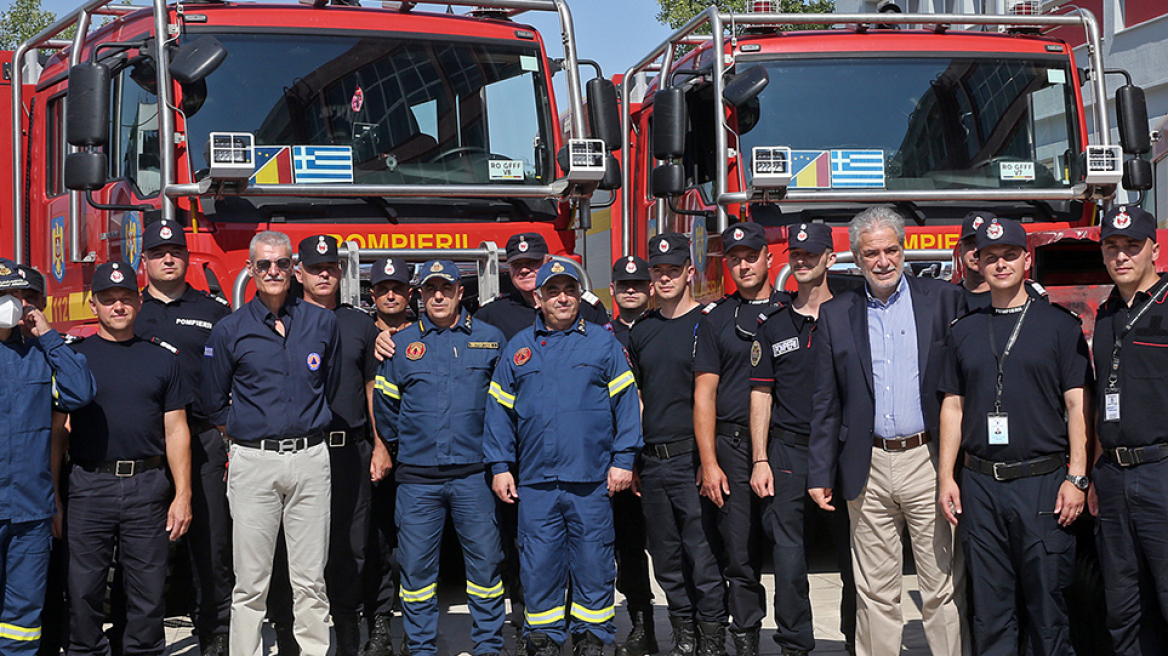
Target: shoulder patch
{"points": [[590, 298], [1036, 288], [710, 308], [218, 299], [1069, 311], [166, 345]]}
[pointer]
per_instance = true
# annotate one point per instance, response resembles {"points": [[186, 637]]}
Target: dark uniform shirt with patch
{"points": [[358, 366], [1049, 358], [723, 350], [786, 364], [621, 331], [979, 300], [186, 324], [137, 383], [1143, 371], [661, 352], [511, 313]]}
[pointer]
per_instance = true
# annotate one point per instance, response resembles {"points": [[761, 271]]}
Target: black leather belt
{"points": [[1008, 471], [901, 443], [1129, 456], [672, 449], [798, 439], [731, 429], [290, 445], [120, 468]]}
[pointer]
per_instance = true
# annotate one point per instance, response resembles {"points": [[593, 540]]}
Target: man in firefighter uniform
{"points": [[630, 290], [431, 399], [562, 435]]}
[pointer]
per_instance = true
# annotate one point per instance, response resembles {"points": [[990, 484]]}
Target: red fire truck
{"points": [[392, 128]]}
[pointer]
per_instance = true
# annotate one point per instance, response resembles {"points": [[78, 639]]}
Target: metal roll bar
{"points": [[846, 257]]}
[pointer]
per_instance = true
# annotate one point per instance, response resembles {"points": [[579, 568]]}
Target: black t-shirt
{"points": [[185, 324], [661, 352], [620, 330], [137, 383], [358, 366], [511, 313], [1049, 358], [786, 364], [724, 350]]}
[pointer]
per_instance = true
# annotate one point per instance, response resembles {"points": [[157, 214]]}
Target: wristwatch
{"points": [[1080, 482]]}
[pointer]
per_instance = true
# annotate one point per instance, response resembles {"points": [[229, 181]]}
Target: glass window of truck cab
{"points": [[406, 109]]}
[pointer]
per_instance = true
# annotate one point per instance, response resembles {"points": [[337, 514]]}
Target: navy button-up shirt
{"points": [[262, 385]]}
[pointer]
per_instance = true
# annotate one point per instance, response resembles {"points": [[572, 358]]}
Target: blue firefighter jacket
{"points": [[565, 406]]}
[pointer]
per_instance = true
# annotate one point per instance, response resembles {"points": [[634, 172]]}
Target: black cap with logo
{"points": [[318, 249], [36, 279], [114, 275], [750, 235], [630, 268], [526, 246], [163, 233], [10, 278], [811, 237], [1001, 231], [974, 221], [390, 268], [669, 248], [1128, 221]]}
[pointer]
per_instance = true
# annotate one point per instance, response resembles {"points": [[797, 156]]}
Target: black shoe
{"points": [[380, 641], [213, 645], [348, 636], [685, 641], [712, 639], [791, 651], [539, 644], [286, 644], [746, 642], [642, 639], [587, 644]]}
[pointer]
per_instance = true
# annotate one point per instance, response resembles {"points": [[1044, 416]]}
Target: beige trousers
{"points": [[902, 492], [265, 488]]}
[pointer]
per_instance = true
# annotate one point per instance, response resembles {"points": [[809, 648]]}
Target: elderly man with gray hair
{"points": [[874, 421], [271, 370]]}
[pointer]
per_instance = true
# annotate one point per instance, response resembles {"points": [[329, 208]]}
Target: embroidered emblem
{"points": [[522, 356], [415, 350]]}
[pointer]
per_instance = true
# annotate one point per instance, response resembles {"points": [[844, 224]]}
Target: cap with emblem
{"points": [[163, 233], [114, 274], [554, 269], [669, 248], [630, 268], [1128, 221], [390, 268], [974, 221], [811, 237], [1001, 231], [750, 235], [444, 269], [10, 278], [526, 246], [36, 279], [318, 249]]}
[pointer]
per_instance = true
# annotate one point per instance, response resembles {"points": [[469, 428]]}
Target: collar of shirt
{"points": [[1115, 301], [542, 329], [463, 323], [188, 296], [901, 289], [262, 314]]}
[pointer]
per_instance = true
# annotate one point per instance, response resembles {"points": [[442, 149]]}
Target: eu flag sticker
{"points": [[857, 169], [323, 164]]}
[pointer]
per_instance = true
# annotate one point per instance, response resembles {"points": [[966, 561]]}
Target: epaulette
{"points": [[773, 309], [968, 313], [591, 299], [1036, 288], [217, 298], [710, 308], [1068, 311], [166, 345]]}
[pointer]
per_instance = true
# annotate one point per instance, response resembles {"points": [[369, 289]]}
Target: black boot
{"points": [[685, 641], [642, 639], [380, 642], [746, 642], [286, 644], [348, 635], [539, 644], [711, 639], [587, 644]]}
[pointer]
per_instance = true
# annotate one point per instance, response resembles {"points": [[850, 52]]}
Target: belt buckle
{"points": [[336, 439], [1124, 457], [124, 473], [287, 445], [997, 475]]}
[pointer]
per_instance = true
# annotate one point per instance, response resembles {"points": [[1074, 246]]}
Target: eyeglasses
{"points": [[283, 264]]}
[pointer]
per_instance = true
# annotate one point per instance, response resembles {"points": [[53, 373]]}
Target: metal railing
{"points": [[847, 257]]}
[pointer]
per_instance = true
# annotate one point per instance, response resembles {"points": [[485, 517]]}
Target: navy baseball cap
{"points": [[526, 246], [444, 269], [973, 221], [36, 279], [669, 248], [1128, 221], [811, 237], [10, 278], [1001, 231], [554, 269], [114, 274], [750, 235], [318, 249], [163, 233], [390, 268], [629, 268]]}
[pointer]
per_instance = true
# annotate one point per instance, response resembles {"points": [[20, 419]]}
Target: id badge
{"points": [[1111, 404], [999, 428]]}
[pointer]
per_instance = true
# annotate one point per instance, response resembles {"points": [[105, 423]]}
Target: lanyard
{"points": [[1002, 358], [1113, 377]]}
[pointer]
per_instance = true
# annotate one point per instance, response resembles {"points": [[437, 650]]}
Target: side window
{"points": [[134, 146], [55, 146]]}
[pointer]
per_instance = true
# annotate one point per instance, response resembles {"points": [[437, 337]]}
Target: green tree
{"points": [[22, 20], [676, 13]]}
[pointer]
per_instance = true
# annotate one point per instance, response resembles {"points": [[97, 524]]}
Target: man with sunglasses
{"points": [[722, 422], [271, 371]]}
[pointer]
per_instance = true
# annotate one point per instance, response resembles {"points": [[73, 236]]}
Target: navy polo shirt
{"points": [[785, 363], [262, 385], [358, 364]]}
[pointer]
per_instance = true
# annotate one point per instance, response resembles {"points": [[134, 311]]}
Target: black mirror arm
{"points": [[677, 210], [121, 208]]}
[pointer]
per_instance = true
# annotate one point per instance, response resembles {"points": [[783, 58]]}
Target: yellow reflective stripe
{"points": [[387, 388], [593, 616], [424, 594], [620, 382], [546, 617], [506, 400], [484, 593], [23, 634]]}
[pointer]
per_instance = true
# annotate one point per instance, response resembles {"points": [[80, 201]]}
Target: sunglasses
{"points": [[283, 264]]}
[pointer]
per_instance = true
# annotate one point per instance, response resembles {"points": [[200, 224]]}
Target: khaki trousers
{"points": [[902, 492], [264, 489]]}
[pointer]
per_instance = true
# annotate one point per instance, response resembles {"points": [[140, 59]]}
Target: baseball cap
{"points": [[1128, 221], [10, 278], [444, 269], [526, 246], [36, 279], [811, 237], [974, 221], [389, 268], [629, 268], [318, 249], [163, 233], [669, 248], [114, 274], [1001, 231], [750, 235], [553, 269]]}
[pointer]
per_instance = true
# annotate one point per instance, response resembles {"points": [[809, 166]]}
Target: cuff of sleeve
{"points": [[624, 460], [500, 468]]}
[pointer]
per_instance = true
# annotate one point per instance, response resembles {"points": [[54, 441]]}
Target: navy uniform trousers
{"points": [[739, 525], [783, 521], [24, 567], [209, 537]]}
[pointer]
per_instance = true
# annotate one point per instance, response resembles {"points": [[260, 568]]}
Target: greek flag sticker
{"points": [[322, 164]]}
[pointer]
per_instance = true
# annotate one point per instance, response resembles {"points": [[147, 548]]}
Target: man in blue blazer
{"points": [[874, 420]]}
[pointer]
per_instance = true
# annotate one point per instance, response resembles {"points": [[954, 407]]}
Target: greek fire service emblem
{"points": [[558, 268], [1123, 219], [436, 267], [415, 351], [522, 356], [994, 230]]}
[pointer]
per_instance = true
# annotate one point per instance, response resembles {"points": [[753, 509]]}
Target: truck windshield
{"points": [[380, 109], [921, 123]]}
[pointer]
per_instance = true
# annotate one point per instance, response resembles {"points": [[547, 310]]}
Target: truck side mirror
{"points": [[603, 113], [87, 105], [85, 170], [667, 180], [1131, 110], [612, 174], [669, 123], [196, 59], [1137, 174], [746, 86]]}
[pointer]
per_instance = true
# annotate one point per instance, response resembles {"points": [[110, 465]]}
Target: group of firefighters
{"points": [[308, 452]]}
